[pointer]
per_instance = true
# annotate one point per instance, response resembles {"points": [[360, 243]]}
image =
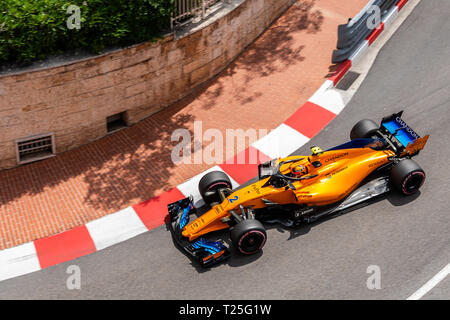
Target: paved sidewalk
{"points": [[260, 89]]}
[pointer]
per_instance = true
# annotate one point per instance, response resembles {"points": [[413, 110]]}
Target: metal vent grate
{"points": [[115, 122], [35, 148], [347, 81]]}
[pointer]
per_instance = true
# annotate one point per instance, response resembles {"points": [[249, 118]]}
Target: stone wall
{"points": [[72, 101]]}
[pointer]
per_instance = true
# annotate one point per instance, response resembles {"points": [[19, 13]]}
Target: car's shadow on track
{"points": [[238, 260], [399, 200], [394, 198]]}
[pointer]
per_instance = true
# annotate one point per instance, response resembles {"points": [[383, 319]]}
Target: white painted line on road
{"points": [[430, 284], [328, 84], [115, 228], [18, 261], [330, 99], [280, 142]]}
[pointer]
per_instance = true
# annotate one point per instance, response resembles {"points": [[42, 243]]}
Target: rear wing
{"points": [[406, 140]]}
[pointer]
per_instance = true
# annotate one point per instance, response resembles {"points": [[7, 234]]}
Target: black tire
{"points": [[213, 181], [364, 129], [407, 176], [248, 236]]}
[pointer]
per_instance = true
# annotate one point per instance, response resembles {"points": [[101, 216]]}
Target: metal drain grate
{"points": [[347, 81], [35, 148]]}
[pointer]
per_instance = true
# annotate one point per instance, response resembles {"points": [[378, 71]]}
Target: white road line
{"points": [[330, 99], [115, 228], [19, 260], [280, 142], [430, 284]]}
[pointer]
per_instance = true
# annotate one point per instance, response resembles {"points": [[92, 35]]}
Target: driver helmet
{"points": [[299, 170]]}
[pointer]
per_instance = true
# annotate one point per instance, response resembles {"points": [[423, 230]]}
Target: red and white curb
{"points": [[114, 228]]}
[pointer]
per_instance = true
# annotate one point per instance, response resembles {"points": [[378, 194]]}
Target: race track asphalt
{"points": [[406, 237]]}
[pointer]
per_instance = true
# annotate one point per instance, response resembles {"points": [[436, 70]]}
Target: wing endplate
{"points": [[415, 146]]}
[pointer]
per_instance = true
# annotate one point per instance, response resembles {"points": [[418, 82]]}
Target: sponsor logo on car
{"points": [[407, 128]]}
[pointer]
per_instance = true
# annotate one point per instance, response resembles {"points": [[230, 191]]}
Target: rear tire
{"points": [[249, 236], [364, 129], [213, 181], [407, 176]]}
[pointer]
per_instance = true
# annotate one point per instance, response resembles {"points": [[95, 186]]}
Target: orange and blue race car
{"points": [[300, 189]]}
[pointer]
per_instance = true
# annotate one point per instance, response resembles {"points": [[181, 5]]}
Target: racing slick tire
{"points": [[248, 236], [363, 129], [407, 176], [210, 183]]}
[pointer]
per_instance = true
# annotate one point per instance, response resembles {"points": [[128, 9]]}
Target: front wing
{"points": [[206, 253]]}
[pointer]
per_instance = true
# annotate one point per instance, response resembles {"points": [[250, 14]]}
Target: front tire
{"points": [[407, 176], [249, 236], [210, 183]]}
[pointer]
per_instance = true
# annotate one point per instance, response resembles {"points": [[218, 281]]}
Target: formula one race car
{"points": [[300, 189]]}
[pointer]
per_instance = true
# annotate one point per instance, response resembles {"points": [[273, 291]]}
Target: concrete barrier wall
{"points": [[72, 101]]}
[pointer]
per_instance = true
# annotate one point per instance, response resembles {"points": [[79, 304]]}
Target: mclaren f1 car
{"points": [[300, 189]]}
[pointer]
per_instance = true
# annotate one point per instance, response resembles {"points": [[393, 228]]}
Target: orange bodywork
{"points": [[340, 172]]}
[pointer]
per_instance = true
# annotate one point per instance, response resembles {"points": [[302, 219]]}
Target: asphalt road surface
{"points": [[406, 237]]}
